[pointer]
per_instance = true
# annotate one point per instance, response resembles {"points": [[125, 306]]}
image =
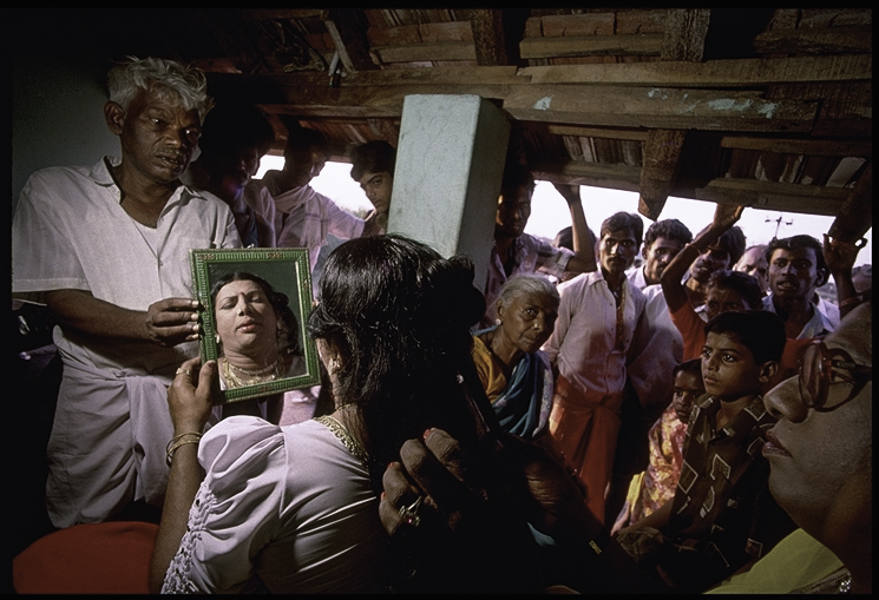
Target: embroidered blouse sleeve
{"points": [[236, 510]]}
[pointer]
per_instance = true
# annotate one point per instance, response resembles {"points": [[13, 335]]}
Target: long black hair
{"points": [[399, 314]]}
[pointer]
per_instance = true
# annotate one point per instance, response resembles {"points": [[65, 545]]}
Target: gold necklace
{"points": [[264, 375]]}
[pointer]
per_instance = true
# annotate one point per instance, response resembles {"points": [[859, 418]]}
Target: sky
{"points": [[549, 211]]}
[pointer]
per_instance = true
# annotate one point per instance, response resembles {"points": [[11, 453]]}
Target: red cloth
{"points": [[93, 558]]}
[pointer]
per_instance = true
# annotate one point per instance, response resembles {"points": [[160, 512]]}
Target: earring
{"points": [[217, 338], [498, 321]]}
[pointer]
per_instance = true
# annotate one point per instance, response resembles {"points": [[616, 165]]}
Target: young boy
{"points": [[653, 487], [722, 516]]}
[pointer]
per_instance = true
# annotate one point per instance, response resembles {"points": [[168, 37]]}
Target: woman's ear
{"points": [[499, 309]]}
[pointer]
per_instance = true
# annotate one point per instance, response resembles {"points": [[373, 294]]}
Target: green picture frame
{"points": [[287, 271]]}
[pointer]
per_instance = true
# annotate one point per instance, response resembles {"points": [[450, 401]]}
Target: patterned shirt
{"points": [[722, 499]]}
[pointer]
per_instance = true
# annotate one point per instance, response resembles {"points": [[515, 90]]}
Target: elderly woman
{"points": [[256, 507], [515, 373]]}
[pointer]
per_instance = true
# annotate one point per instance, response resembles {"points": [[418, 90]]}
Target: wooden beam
{"points": [[817, 40], [663, 108], [714, 73], [348, 30], [855, 216], [662, 152], [811, 147], [489, 37], [591, 45], [595, 132], [425, 52], [618, 177], [771, 195], [685, 33]]}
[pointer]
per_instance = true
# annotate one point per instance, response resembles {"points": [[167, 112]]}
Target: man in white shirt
{"points": [[107, 249], [303, 217]]}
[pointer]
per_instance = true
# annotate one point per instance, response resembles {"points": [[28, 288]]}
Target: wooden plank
{"points": [[425, 52], [855, 216], [717, 73], [348, 30], [489, 38], [662, 152], [617, 177], [577, 25], [664, 108], [595, 132], [853, 40], [641, 20], [685, 34], [771, 195], [591, 45], [265, 14], [812, 147]]}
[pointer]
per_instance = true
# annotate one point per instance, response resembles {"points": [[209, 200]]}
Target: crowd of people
{"points": [[697, 423]]}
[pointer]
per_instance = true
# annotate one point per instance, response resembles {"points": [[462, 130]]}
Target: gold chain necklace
{"points": [[264, 375]]}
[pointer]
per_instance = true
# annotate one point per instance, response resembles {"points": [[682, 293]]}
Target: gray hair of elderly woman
{"points": [[186, 85], [527, 284]]}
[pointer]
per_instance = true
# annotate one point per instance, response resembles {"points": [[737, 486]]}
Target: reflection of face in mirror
{"points": [[257, 333]]}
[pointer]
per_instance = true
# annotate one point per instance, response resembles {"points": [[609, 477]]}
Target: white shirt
{"points": [[583, 343], [305, 217], [111, 421]]}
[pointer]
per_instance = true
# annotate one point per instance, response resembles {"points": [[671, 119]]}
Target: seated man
{"points": [[234, 139], [516, 252], [372, 166]]}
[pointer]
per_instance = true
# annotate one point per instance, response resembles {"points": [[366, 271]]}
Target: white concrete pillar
{"points": [[450, 162]]}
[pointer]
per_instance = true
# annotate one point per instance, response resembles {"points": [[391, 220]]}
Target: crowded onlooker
{"points": [[753, 262], [108, 247], [514, 371], [820, 472], [234, 139], [600, 331], [372, 166], [662, 242], [515, 252], [796, 268], [715, 253], [304, 217], [722, 516], [653, 487]]}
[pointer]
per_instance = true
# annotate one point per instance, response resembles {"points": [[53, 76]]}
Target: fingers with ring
{"points": [[183, 371], [409, 514]]}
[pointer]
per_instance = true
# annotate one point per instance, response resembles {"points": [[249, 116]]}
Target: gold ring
{"points": [[182, 370]]}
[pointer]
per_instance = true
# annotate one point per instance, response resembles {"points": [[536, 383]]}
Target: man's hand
{"points": [[571, 193], [726, 215], [840, 256], [172, 321]]}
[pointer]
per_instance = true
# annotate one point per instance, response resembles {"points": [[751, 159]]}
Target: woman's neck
{"points": [[506, 352]]}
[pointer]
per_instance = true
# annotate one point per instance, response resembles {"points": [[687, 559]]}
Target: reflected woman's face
{"points": [[245, 317]]}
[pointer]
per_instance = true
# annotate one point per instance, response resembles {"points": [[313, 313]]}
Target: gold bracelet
{"points": [[178, 441]]}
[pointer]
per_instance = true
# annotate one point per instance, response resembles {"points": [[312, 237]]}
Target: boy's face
{"points": [[728, 368], [687, 387], [378, 187]]}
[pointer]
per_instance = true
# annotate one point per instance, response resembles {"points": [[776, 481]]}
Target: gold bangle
{"points": [[178, 441]]}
